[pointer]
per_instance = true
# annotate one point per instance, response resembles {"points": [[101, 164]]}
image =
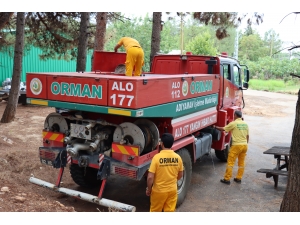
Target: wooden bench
{"points": [[273, 173]]}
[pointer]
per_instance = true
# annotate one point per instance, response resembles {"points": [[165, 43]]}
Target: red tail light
{"points": [[47, 155]]}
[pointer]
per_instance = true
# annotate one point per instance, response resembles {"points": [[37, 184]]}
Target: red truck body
{"points": [[110, 123]]}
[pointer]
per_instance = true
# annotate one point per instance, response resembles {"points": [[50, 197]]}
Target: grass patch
{"points": [[275, 86]]}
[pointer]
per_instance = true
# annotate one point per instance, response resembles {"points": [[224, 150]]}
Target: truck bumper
{"points": [[84, 196]]}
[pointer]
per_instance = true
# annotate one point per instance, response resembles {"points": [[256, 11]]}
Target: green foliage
{"points": [[141, 29], [254, 51], [221, 20], [269, 68], [137, 28], [202, 44], [252, 47], [55, 33], [249, 30], [292, 86], [226, 44], [272, 41], [170, 37], [192, 29]]}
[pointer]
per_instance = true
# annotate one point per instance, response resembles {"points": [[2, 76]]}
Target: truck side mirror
{"points": [[246, 75]]}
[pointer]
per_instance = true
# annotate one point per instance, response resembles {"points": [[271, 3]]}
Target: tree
{"points": [[99, 38], [156, 37], [8, 33], [55, 33], [11, 108], [252, 47], [170, 37], [101, 21], [202, 45], [224, 20], [4, 18], [249, 30], [83, 41], [291, 198], [273, 42], [226, 44]]}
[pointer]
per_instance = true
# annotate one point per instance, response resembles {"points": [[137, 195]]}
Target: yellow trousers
{"points": [[134, 59], [240, 152], [163, 201]]}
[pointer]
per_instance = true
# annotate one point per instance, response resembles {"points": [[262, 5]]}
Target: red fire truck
{"points": [[108, 124]]}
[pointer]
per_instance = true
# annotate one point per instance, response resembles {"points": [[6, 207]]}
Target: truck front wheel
{"points": [[84, 177], [184, 183], [223, 155]]}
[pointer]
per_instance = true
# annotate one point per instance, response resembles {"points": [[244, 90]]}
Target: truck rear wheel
{"points": [[184, 183], [84, 177]]}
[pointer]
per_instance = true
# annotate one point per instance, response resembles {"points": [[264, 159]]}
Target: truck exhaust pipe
{"points": [[84, 196]]}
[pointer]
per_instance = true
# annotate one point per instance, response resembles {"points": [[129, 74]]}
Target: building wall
{"points": [[32, 63]]}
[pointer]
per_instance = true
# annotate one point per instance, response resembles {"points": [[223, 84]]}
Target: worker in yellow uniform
{"points": [[165, 169], [134, 55], [240, 138]]}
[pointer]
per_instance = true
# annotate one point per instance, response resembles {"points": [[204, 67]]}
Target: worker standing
{"points": [[240, 138], [134, 55], [165, 169]]}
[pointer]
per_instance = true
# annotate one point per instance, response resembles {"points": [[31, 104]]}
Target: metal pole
{"points": [[236, 45], [181, 33], [84, 196]]}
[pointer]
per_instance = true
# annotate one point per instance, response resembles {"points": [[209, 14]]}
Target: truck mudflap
{"points": [[84, 196]]}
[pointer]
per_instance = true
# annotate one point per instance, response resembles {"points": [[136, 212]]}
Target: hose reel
{"points": [[142, 132]]}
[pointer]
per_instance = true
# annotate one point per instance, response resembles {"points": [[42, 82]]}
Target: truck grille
{"points": [[124, 172]]}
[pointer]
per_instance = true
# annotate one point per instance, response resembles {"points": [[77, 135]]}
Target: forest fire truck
{"points": [[108, 124]]}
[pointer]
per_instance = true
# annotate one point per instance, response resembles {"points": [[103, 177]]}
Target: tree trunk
{"points": [[4, 18], [156, 30], [99, 42], [11, 108], [83, 41], [291, 198], [100, 31]]}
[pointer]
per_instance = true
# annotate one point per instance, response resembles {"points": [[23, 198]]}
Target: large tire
{"points": [[84, 177], [22, 99], [184, 183], [223, 155]]}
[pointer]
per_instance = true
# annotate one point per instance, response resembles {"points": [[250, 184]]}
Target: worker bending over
{"points": [[134, 55]]}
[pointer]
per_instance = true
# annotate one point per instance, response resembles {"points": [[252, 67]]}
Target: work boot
{"points": [[237, 180], [225, 181]]}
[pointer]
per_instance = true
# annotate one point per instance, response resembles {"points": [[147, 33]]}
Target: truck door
{"points": [[228, 93]]}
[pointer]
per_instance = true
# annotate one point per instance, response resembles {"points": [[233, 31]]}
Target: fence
{"points": [[32, 63]]}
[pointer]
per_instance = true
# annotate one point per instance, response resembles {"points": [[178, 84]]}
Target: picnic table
{"points": [[281, 154]]}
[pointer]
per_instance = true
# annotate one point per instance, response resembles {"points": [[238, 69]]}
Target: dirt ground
{"points": [[19, 142]]}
